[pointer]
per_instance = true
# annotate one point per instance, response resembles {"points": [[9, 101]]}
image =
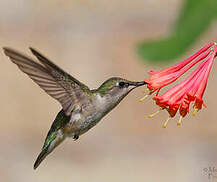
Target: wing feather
{"points": [[52, 79]]}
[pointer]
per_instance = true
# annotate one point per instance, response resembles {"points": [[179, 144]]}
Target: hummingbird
{"points": [[82, 108]]}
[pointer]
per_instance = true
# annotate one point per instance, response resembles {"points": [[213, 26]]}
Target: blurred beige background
{"points": [[94, 40]]}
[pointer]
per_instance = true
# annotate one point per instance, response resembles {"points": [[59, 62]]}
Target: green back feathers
{"points": [[107, 85]]}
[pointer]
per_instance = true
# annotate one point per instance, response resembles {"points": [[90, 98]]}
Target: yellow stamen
{"points": [[180, 121], [213, 47], [155, 113], [144, 91], [143, 98], [195, 111], [165, 124]]}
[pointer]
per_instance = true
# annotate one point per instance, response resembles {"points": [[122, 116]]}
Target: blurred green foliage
{"points": [[194, 19]]}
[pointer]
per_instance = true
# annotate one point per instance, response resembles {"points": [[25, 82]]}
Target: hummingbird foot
{"points": [[76, 137]]}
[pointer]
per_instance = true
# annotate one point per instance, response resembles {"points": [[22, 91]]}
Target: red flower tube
{"points": [[190, 90], [166, 76]]}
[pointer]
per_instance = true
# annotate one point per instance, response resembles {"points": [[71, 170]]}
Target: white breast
{"points": [[76, 117]]}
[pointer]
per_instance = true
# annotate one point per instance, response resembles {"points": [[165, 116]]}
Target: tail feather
{"points": [[40, 158], [54, 137], [47, 149]]}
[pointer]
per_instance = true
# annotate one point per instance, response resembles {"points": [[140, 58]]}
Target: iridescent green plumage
{"points": [[109, 84], [106, 86], [60, 121]]}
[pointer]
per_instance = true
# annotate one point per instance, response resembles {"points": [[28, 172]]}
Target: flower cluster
{"points": [[179, 97]]}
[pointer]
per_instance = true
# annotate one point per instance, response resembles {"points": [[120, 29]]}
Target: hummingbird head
{"points": [[115, 89]]}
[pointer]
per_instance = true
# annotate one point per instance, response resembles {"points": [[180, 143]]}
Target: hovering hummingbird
{"points": [[82, 108]]}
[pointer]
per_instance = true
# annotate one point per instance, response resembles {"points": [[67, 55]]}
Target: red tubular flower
{"points": [[166, 76], [190, 90], [203, 81]]}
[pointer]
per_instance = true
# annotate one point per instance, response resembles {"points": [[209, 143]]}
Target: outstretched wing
{"points": [[52, 79]]}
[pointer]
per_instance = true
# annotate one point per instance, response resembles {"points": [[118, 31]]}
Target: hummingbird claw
{"points": [[76, 137]]}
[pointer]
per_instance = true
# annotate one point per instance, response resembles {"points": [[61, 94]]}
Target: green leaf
{"points": [[194, 19]]}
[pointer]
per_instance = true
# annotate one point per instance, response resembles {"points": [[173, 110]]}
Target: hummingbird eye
{"points": [[121, 84]]}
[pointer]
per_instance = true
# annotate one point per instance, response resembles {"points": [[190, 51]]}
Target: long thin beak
{"points": [[137, 84]]}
